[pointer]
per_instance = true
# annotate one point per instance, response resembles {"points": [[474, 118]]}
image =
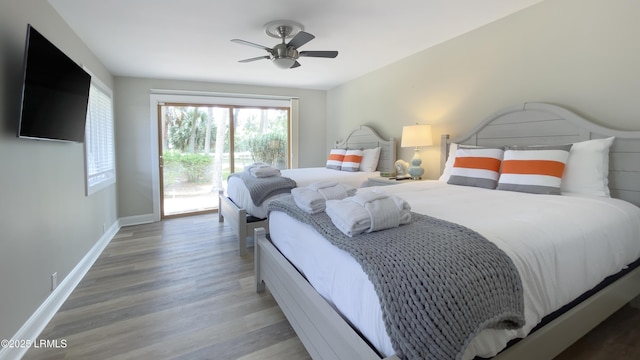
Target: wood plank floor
{"points": [[171, 290], [177, 290]]}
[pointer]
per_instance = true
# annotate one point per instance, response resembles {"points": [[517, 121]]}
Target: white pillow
{"points": [[448, 166], [370, 158], [587, 170]]}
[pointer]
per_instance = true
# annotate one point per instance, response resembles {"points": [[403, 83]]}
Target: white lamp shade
{"points": [[416, 135]]}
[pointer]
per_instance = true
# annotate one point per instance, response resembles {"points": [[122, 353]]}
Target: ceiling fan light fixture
{"points": [[284, 62], [285, 55]]}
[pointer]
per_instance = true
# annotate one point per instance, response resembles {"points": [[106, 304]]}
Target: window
{"points": [[99, 139]]}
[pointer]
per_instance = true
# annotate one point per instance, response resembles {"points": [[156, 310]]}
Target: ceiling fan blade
{"points": [[295, 65], [300, 39], [322, 54], [254, 59], [243, 42]]}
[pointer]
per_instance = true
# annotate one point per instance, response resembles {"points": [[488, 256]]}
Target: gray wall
{"points": [[580, 54], [47, 224], [134, 139]]}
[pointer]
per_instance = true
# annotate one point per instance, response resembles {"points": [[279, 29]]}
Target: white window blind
{"points": [[99, 139]]}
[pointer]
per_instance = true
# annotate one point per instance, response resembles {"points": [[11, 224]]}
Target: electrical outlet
{"points": [[104, 228], [54, 281]]}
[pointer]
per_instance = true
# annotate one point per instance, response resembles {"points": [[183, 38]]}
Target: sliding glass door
{"points": [[260, 135], [200, 145]]}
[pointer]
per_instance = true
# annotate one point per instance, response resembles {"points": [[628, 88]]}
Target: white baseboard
{"points": [[41, 317], [137, 220]]}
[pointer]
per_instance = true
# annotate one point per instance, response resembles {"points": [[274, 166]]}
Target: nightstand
{"points": [[381, 181]]}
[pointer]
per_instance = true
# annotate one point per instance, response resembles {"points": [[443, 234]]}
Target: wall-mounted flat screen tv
{"points": [[55, 93]]}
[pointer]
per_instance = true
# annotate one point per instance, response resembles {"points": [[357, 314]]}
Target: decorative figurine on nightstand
{"points": [[416, 136], [401, 169]]}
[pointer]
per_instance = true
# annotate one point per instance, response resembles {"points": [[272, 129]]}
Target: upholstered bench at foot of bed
{"points": [[240, 222]]}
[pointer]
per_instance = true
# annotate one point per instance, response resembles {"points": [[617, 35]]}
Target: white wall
{"points": [[47, 224], [134, 138], [580, 54]]}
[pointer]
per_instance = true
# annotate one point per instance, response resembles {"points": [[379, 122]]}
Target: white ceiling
{"points": [[190, 39]]}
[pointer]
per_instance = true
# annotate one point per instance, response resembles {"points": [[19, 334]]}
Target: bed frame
{"points": [[326, 335], [363, 137]]}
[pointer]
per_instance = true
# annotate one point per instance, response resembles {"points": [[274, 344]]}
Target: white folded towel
{"points": [[308, 200], [254, 165], [384, 214], [363, 198], [367, 212], [322, 185], [404, 207], [348, 216], [261, 171], [312, 197], [338, 192]]}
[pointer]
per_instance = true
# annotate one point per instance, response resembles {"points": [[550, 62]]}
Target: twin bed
{"points": [[238, 209], [576, 253]]}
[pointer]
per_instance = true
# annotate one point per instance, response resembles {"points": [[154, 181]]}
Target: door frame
{"points": [[158, 96], [160, 136]]}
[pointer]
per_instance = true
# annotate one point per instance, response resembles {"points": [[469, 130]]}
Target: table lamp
{"points": [[416, 136]]}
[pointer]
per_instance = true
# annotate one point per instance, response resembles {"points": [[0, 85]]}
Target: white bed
{"points": [[597, 237], [236, 207]]}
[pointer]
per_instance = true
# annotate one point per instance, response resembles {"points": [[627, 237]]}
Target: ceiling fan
{"points": [[285, 55]]}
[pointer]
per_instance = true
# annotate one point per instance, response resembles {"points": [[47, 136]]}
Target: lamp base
{"points": [[415, 170]]}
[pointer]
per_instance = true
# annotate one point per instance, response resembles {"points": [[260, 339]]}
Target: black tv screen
{"points": [[55, 93]]}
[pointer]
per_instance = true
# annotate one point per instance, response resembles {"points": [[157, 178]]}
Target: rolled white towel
{"points": [[308, 200]]}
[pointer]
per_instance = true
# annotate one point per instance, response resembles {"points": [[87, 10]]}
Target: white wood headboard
{"points": [[547, 124], [364, 137]]}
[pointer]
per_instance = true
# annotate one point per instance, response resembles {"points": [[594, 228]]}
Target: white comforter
{"points": [[238, 192], [561, 246]]}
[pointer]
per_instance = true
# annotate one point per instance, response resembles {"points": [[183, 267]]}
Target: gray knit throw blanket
{"points": [[261, 189], [439, 283]]}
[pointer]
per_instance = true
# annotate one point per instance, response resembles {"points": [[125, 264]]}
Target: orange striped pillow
{"points": [[534, 169], [336, 156], [351, 161], [479, 167]]}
